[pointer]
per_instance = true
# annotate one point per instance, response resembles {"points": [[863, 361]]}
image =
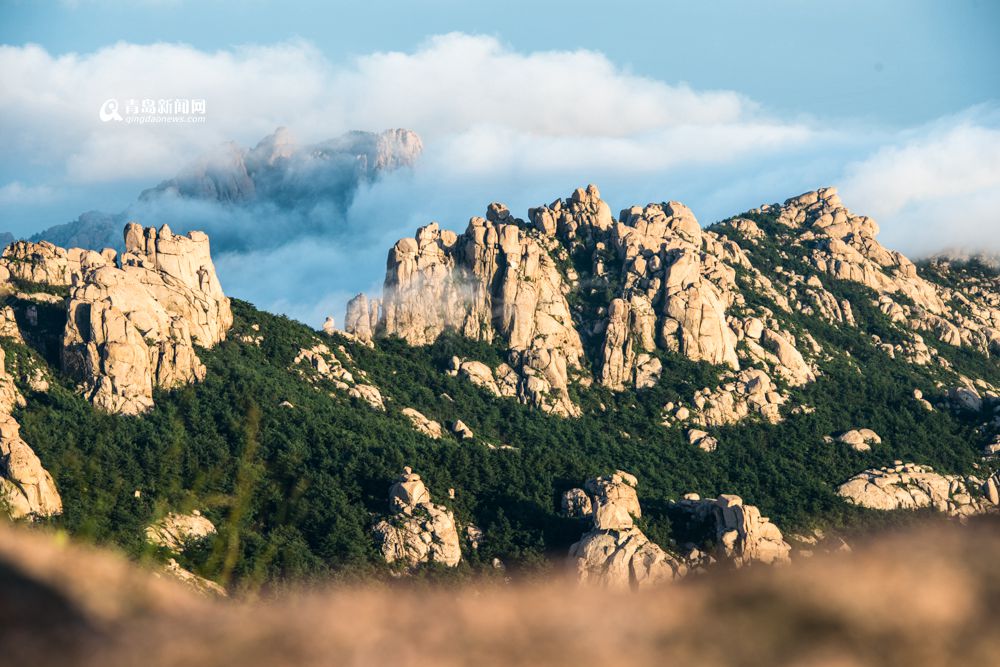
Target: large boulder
{"points": [[615, 553], [423, 424], [417, 531], [741, 534], [859, 439], [177, 531]]}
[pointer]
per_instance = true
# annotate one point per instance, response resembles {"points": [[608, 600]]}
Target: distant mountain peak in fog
{"points": [[277, 168], [278, 172]]}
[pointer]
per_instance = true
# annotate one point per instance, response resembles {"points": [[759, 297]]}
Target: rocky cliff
{"points": [[134, 327], [714, 295], [132, 321], [417, 531]]}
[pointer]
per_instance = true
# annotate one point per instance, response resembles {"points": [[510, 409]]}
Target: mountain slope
{"points": [[284, 446]]}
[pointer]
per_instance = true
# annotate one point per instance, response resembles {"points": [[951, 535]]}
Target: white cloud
{"points": [[477, 102], [935, 187], [16, 192]]}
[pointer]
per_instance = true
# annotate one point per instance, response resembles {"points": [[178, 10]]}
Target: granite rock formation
{"points": [[417, 531]]}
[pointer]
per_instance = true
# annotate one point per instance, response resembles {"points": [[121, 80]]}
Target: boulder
{"points": [[741, 535], [617, 488], [615, 554], [912, 486], [859, 439], [702, 440], [178, 531], [462, 431], [417, 531], [422, 424]]}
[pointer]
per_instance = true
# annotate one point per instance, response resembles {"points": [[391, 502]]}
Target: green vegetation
{"points": [[294, 491]]}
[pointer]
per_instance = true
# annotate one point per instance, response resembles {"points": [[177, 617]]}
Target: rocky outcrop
{"points": [[673, 291], [702, 440], [616, 554], [742, 536], [133, 328], [361, 319], [749, 392], [495, 280], [179, 274], [27, 490], [417, 531], [617, 489], [422, 424], [859, 439], [8, 325], [912, 486], [47, 264], [176, 532], [844, 246], [461, 430], [201, 585], [10, 396], [320, 364]]}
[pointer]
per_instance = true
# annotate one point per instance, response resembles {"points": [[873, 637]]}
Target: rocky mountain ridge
{"points": [[780, 363], [672, 287]]}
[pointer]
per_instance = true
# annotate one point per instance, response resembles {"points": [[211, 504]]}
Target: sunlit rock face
{"points": [[904, 486], [615, 553], [133, 328], [46, 264], [27, 490], [417, 531], [495, 280]]}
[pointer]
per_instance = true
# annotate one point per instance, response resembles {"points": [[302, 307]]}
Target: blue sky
{"points": [[722, 105], [892, 61]]}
